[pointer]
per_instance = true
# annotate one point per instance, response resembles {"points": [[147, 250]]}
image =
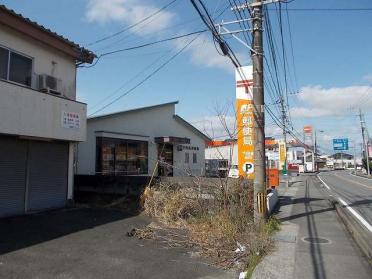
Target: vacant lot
{"points": [[91, 243]]}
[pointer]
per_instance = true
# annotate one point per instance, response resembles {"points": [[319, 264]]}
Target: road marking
{"points": [[356, 214], [355, 182], [325, 184]]}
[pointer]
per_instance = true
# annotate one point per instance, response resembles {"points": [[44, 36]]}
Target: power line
{"points": [[129, 81], [329, 9], [144, 45], [220, 12], [197, 33], [153, 43], [236, 63], [148, 76], [133, 25]]}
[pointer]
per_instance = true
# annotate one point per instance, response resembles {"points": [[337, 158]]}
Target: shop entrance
{"points": [[165, 157]]}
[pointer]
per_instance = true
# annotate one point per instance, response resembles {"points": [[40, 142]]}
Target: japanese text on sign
{"points": [[70, 120]]}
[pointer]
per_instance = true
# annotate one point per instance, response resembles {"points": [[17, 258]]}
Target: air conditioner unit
{"points": [[49, 84]]}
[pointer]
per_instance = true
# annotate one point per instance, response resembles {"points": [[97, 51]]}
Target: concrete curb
{"points": [[272, 200], [362, 238], [280, 263]]}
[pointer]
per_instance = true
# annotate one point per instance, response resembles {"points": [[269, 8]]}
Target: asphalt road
{"points": [[313, 242], [355, 191], [92, 243]]}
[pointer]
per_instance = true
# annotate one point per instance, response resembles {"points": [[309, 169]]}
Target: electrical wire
{"points": [[133, 25], [147, 77], [144, 45], [129, 81]]}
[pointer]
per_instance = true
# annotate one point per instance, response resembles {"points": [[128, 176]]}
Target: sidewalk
{"points": [[313, 242]]}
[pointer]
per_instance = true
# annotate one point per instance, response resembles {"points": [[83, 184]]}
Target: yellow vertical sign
{"points": [[282, 154], [244, 115]]}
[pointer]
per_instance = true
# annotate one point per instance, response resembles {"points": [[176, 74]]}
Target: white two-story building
{"points": [[40, 119]]}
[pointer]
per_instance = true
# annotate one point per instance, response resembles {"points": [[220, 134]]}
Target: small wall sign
{"points": [[70, 120]]}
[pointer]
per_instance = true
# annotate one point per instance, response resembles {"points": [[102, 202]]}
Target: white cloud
{"points": [[273, 131], [215, 127], [203, 52], [128, 12], [318, 101]]}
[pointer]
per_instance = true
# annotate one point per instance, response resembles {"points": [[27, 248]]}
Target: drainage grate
{"points": [[316, 240]]}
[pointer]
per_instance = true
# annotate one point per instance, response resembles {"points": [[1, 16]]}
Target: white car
{"points": [[234, 171]]}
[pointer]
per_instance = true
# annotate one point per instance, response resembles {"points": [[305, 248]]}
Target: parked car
{"points": [[234, 171]]}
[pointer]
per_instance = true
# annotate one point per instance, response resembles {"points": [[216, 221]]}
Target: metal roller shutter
{"points": [[13, 154], [47, 178]]}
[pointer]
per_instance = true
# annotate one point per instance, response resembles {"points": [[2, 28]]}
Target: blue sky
{"points": [[332, 55]]}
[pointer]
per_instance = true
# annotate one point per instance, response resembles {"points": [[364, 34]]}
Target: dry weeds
{"points": [[217, 221]]}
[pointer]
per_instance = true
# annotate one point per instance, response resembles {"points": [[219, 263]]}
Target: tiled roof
{"points": [[84, 51]]}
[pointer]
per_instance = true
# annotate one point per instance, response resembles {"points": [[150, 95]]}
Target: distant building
{"points": [[341, 160], [40, 118], [143, 141], [343, 156], [222, 155]]}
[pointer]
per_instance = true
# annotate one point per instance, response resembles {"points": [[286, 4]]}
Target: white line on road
{"points": [[356, 214], [325, 184]]}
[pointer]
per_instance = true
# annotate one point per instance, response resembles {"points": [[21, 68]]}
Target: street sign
{"points": [[244, 108], [340, 144], [248, 168]]}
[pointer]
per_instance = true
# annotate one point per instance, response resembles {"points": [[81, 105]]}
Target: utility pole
{"points": [[259, 113], [365, 143], [284, 119], [354, 145], [314, 159], [259, 184]]}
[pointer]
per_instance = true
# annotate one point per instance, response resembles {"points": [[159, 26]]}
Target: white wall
{"points": [[228, 152], [27, 112], [145, 124], [46, 60]]}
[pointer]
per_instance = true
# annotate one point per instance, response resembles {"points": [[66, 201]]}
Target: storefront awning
{"points": [[174, 140]]}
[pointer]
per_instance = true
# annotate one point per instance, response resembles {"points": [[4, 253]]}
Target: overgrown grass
{"points": [[272, 225], [217, 220], [254, 260]]}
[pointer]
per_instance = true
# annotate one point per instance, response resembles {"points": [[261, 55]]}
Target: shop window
{"points": [[121, 156], [194, 158], [15, 67], [187, 158]]}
